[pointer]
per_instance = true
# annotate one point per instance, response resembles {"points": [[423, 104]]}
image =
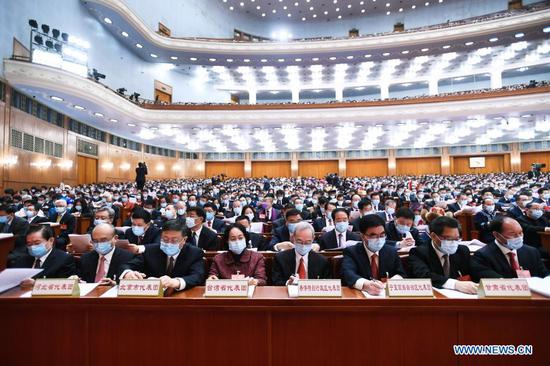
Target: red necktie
{"points": [[209, 223], [513, 263], [374, 266], [101, 270], [302, 269]]}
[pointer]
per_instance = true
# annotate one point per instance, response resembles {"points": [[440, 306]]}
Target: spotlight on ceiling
{"points": [[33, 23], [65, 37], [49, 44], [58, 47], [38, 39], [45, 28], [135, 96], [121, 91], [97, 75], [55, 33]]}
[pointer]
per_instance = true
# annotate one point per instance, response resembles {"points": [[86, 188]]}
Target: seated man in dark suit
{"points": [[519, 207], [18, 227], [200, 236], [281, 221], [323, 223], [443, 260], [300, 262], [401, 229], [31, 210], [104, 215], [66, 221], [281, 235], [338, 237], [388, 214], [42, 254], [103, 263], [178, 265], [364, 264], [142, 231], [507, 254], [482, 220], [256, 240], [212, 222], [533, 222], [365, 208]]}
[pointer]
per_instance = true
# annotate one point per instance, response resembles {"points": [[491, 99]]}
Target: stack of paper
{"points": [[540, 285]]}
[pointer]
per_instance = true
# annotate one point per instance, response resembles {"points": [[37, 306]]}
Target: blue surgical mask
{"points": [[536, 214], [38, 250], [490, 209], [375, 203], [3, 219], [30, 213], [299, 207], [138, 230], [237, 210], [375, 245], [514, 243], [163, 204], [302, 249], [250, 216], [78, 208], [190, 221], [192, 203], [181, 211], [98, 221], [209, 216], [60, 209], [169, 249], [390, 210], [341, 226], [449, 247], [402, 228], [103, 247], [291, 227], [237, 246], [169, 215]]}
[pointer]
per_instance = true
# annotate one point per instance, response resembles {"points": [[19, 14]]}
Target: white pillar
{"points": [[339, 93], [252, 96], [384, 91], [433, 86], [295, 95], [496, 79]]}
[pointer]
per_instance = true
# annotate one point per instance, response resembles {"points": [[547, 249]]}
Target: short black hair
{"points": [[176, 225], [44, 229], [235, 225], [364, 202], [368, 221], [339, 209], [292, 212], [211, 205], [405, 212], [7, 208], [198, 210], [242, 217], [140, 213], [439, 224]]}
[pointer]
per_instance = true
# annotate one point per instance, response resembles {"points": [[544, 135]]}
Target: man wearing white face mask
{"points": [[365, 264], [444, 261], [507, 256], [482, 220], [533, 222], [301, 262], [401, 229], [66, 221], [200, 237], [338, 237], [389, 211]]}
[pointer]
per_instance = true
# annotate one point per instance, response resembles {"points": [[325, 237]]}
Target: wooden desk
{"points": [[82, 224], [7, 244], [545, 240], [269, 329]]}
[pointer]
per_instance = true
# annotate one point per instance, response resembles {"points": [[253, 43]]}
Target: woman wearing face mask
{"points": [[238, 261]]}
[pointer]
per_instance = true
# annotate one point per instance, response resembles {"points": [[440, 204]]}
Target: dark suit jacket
{"points": [[151, 236], [394, 235], [424, 263], [284, 266], [531, 228], [319, 224], [490, 262], [514, 212], [88, 264], [208, 240], [59, 264], [217, 224], [275, 214], [279, 235], [356, 264], [257, 241], [277, 223], [382, 214], [329, 240], [68, 226], [153, 262], [38, 220], [18, 227]]}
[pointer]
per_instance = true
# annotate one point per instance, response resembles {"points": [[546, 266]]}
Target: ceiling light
{"points": [[131, 125], [107, 20], [193, 58], [113, 120], [80, 108], [519, 35], [297, 59], [229, 60], [315, 59], [405, 52], [425, 49], [469, 43], [367, 56], [173, 57], [332, 58], [246, 60], [124, 34], [153, 55], [447, 46], [494, 39], [212, 59], [263, 60], [57, 99], [386, 54], [349, 57], [546, 29], [97, 114]]}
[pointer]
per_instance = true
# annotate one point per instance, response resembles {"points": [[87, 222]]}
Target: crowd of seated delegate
{"points": [[370, 220]]}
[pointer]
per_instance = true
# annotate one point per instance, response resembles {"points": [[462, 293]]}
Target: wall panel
{"points": [[367, 168], [317, 168], [418, 166], [493, 164], [529, 158], [271, 169], [233, 169]]}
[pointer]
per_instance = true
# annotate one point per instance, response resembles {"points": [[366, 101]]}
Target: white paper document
{"points": [[113, 292], [453, 294], [251, 289], [381, 295], [292, 290], [540, 285], [11, 277]]}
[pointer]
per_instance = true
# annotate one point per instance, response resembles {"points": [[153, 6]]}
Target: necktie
{"points": [[329, 222], [269, 215], [101, 270], [513, 262], [170, 267], [302, 269], [140, 240], [59, 218], [340, 238], [374, 266], [446, 266], [209, 223], [194, 238], [36, 263]]}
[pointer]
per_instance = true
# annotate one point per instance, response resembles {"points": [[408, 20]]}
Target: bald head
{"points": [[103, 232]]}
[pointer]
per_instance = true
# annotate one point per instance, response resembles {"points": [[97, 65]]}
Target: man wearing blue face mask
{"points": [[444, 260], [142, 231], [533, 222], [41, 254], [401, 229], [103, 263], [389, 211], [365, 264], [177, 264], [66, 221], [507, 255], [339, 237], [300, 262], [281, 235], [212, 222], [483, 218], [200, 236], [17, 226]]}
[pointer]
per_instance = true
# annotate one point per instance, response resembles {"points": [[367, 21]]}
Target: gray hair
{"points": [[302, 226], [109, 210]]}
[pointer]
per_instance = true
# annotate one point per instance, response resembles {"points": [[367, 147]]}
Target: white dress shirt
{"points": [[451, 282], [361, 282], [108, 257]]}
